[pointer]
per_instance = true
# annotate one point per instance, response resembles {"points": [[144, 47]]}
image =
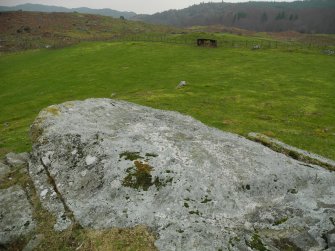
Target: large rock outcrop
{"points": [[104, 163]]}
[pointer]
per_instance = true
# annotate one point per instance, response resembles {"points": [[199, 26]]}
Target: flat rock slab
{"points": [[117, 164], [16, 218]]}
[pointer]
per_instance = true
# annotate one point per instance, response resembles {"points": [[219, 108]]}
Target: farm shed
{"points": [[206, 42]]}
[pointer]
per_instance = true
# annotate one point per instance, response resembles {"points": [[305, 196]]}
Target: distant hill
{"points": [[309, 16], [47, 8]]}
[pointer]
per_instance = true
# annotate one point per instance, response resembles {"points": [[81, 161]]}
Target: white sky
{"points": [[138, 6]]}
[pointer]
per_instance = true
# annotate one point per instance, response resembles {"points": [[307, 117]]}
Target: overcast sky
{"points": [[138, 6]]}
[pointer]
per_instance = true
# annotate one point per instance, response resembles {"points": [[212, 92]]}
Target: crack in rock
{"points": [[47, 194], [68, 212]]}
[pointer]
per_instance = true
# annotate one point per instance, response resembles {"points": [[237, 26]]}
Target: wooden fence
{"points": [[226, 43], [172, 39]]}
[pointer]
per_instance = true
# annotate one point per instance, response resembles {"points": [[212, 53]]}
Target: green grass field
{"points": [[289, 95]]}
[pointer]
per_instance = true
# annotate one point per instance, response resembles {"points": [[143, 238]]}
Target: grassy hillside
{"points": [[32, 30], [285, 94], [313, 16], [25, 30]]}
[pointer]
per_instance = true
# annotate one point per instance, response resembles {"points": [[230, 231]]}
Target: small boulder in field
{"points": [[181, 84]]}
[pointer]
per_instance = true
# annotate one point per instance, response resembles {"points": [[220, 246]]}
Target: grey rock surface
{"points": [[117, 164], [48, 195], [17, 159], [16, 218], [256, 47], [181, 84], [331, 239], [33, 243], [329, 52], [4, 170]]}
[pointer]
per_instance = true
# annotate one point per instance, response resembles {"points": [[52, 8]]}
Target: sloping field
{"points": [[285, 94], [21, 30]]}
